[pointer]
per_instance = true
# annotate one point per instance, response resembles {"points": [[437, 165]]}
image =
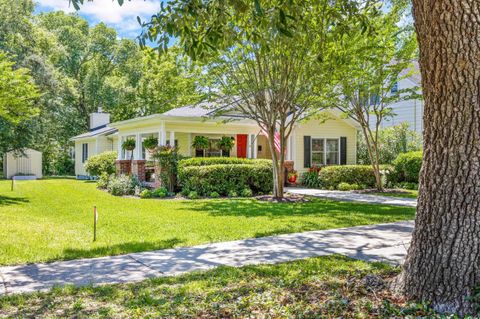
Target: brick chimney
{"points": [[99, 119]]}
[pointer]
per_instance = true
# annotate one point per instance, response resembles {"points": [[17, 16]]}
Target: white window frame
{"points": [[325, 149]]}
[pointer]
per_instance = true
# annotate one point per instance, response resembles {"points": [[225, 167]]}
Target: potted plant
{"points": [[129, 145], [226, 144], [150, 143], [292, 177], [200, 144]]}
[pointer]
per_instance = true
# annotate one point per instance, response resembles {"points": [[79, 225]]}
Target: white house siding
{"points": [[92, 150], [409, 111], [333, 128]]}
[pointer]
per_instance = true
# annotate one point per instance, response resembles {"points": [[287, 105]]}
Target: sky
{"points": [[122, 18]]}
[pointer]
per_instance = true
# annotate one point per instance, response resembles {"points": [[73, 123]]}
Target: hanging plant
{"points": [[226, 143], [129, 144], [150, 143], [200, 142]]}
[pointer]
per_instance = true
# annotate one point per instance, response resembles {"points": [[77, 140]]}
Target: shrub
{"points": [[246, 192], [123, 185], [193, 195], [331, 176], [311, 179], [160, 192], [214, 195], [167, 157], [347, 187], [406, 168], [101, 163], [223, 178], [146, 194], [103, 181], [232, 193]]}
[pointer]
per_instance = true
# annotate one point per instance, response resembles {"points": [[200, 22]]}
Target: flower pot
{"points": [[292, 179]]}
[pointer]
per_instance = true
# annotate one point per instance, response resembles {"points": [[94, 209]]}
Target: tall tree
{"points": [[268, 58], [370, 66], [443, 262], [168, 80], [17, 92]]}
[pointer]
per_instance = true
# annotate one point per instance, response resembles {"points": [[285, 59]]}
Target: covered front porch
{"points": [[248, 143]]}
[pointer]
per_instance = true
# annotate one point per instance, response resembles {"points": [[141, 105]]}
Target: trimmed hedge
{"points": [[406, 168], [205, 161], [361, 175], [331, 176], [205, 176]]}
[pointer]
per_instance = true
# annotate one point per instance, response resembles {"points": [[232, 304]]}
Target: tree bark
{"points": [[443, 262]]}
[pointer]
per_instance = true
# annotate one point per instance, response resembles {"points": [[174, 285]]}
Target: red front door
{"points": [[242, 145]]}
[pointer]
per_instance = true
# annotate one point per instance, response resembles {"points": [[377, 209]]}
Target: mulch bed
{"points": [[288, 198]]}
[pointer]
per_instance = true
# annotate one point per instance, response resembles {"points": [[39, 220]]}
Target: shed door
{"points": [[242, 145]]}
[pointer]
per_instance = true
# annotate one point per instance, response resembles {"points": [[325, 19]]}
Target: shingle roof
{"points": [[101, 131]]}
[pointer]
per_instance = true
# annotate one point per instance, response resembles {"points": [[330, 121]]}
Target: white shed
{"points": [[27, 164]]}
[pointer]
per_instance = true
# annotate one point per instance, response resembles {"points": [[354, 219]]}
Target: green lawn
{"points": [[52, 219], [324, 287]]}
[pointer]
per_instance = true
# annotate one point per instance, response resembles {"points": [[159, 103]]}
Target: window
{"points": [[325, 151], [176, 142], [84, 152], [332, 153], [318, 151], [213, 150], [374, 99], [394, 88]]}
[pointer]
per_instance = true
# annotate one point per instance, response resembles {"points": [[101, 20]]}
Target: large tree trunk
{"points": [[443, 262]]}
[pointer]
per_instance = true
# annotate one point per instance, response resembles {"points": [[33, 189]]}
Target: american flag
{"points": [[276, 140]]}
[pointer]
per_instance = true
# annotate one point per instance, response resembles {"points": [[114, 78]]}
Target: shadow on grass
{"points": [[11, 200], [124, 248], [316, 207]]}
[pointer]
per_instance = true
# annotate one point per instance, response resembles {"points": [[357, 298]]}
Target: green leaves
{"points": [[18, 93]]}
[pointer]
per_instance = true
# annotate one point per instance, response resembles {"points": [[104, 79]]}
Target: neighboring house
{"points": [[312, 142], [26, 165], [409, 111]]}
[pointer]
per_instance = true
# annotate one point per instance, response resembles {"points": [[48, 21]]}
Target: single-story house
{"points": [[25, 165], [312, 142]]}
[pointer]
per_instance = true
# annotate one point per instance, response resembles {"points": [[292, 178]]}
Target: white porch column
{"points": [[162, 134], [172, 138], [249, 146], [289, 148], [138, 147], [119, 147], [255, 145]]}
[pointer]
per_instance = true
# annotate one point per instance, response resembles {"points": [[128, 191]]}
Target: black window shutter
{"points": [[307, 151], [343, 150]]}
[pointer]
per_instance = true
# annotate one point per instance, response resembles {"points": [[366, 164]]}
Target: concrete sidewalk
{"points": [[384, 242], [353, 197]]}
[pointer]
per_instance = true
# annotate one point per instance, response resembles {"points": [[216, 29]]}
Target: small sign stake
{"points": [[95, 218], [13, 180]]}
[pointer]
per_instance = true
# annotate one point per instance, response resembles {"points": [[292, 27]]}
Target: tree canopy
{"points": [[76, 68]]}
